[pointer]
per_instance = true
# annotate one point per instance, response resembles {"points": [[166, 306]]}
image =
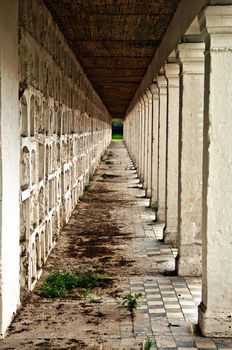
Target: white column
{"points": [[172, 71], [136, 128], [162, 84], [155, 143], [149, 143], [215, 312], [191, 56], [145, 98], [142, 140]]}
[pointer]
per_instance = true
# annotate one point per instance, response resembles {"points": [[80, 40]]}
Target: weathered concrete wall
{"points": [[64, 131], [9, 163]]}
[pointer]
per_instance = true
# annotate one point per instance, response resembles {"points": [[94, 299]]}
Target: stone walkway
{"points": [[112, 230]]}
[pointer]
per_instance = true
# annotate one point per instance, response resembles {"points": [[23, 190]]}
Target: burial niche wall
{"points": [[65, 129]]}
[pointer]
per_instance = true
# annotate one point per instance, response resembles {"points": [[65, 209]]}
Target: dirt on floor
{"points": [[93, 240]]}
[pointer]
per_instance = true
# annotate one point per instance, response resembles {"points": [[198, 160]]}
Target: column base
{"points": [[161, 216], [170, 236], [214, 324], [188, 261]]}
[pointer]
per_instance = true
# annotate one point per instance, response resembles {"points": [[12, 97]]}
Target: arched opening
{"points": [[42, 244], [41, 161], [58, 122], [38, 252], [33, 167], [47, 161], [46, 238], [41, 205], [46, 117], [33, 263], [51, 122], [32, 116], [24, 220], [25, 168], [24, 117]]}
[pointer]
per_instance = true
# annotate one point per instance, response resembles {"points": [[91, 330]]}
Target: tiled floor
{"points": [[167, 311]]}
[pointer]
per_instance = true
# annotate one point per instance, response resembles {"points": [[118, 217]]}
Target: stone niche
{"points": [[63, 135]]}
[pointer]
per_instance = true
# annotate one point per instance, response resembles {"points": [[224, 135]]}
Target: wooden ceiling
{"points": [[115, 41]]}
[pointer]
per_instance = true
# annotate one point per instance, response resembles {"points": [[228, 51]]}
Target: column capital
{"points": [[149, 95], [172, 73], [145, 99], [191, 57], [162, 84], [141, 101], [172, 57], [216, 27], [193, 34], [171, 69], [154, 88]]}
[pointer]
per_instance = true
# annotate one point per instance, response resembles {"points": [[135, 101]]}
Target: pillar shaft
{"points": [[191, 56], [149, 144], [142, 139], [162, 84], [146, 140], [216, 308], [137, 134], [155, 143], [172, 74]]}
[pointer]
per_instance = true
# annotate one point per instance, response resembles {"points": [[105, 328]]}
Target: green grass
{"points": [[117, 137], [147, 344], [90, 297], [58, 283], [131, 301]]}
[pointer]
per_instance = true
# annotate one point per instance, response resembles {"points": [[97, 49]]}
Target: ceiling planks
{"points": [[115, 41]]}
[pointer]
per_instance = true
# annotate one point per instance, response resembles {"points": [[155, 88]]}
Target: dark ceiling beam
{"points": [[121, 41], [78, 16], [182, 19]]}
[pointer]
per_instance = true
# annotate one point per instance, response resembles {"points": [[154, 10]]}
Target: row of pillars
{"points": [[179, 137]]}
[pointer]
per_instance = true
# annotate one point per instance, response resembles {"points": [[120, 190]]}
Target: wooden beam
{"points": [[182, 19]]}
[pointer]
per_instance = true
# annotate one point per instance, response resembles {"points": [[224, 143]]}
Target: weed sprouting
{"points": [[58, 283], [91, 280], [131, 301], [85, 293], [147, 344], [94, 300], [90, 297]]}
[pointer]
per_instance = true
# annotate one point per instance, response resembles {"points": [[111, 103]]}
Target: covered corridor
{"points": [[112, 230], [163, 68]]}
